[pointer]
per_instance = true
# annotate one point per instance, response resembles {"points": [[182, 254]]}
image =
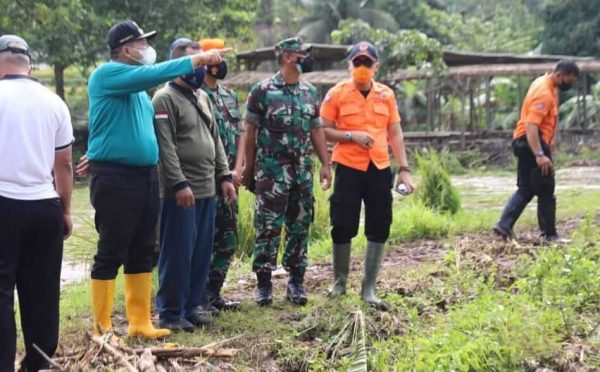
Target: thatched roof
{"points": [[455, 58], [460, 65], [332, 77], [248, 78], [335, 53], [321, 52]]}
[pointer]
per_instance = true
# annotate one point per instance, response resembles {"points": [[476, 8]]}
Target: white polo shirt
{"points": [[34, 124]]}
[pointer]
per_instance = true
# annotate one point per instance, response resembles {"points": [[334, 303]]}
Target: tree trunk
{"points": [[59, 80]]}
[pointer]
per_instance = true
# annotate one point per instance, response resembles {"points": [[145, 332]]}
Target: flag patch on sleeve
{"points": [[161, 115]]}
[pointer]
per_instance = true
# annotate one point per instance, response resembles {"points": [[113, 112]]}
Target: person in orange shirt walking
{"points": [[533, 144], [361, 117]]}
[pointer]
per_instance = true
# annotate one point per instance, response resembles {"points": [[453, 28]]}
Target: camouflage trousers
{"points": [[225, 241], [289, 202]]}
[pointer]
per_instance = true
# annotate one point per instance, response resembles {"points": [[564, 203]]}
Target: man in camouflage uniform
{"points": [[231, 131], [282, 120]]}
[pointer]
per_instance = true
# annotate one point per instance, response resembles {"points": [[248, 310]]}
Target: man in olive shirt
{"points": [[192, 158]]}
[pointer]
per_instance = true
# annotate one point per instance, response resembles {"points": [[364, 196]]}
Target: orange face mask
{"points": [[362, 74]]}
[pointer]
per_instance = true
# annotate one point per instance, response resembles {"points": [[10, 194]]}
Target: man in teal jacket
{"points": [[123, 154]]}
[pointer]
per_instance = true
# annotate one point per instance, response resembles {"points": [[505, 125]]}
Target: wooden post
{"points": [[579, 121], [429, 106], [439, 107], [488, 110], [471, 110], [463, 123], [584, 86]]}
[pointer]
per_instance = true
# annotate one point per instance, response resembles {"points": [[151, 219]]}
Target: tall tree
{"points": [[72, 32], [326, 15], [60, 32], [572, 27]]}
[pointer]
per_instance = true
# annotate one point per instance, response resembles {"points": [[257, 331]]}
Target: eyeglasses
{"points": [[362, 62]]}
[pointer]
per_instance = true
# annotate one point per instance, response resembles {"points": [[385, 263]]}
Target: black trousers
{"points": [[126, 202], [351, 187], [531, 183], [31, 247]]}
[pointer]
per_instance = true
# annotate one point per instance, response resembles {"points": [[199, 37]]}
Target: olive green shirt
{"points": [[190, 150]]}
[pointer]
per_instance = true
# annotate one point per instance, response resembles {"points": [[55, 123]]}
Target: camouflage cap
{"points": [[293, 44]]}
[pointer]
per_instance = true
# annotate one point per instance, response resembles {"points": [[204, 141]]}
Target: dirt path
{"points": [[483, 246]]}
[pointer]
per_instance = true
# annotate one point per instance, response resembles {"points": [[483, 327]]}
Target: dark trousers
{"points": [[31, 246], [126, 202], [186, 244], [350, 189], [531, 183]]}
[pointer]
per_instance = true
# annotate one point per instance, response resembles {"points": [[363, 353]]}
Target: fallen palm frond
{"points": [[350, 343], [109, 351]]}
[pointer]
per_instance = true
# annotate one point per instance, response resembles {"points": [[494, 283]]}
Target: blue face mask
{"points": [[196, 78]]}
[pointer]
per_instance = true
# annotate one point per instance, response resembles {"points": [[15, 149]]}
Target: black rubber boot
{"points": [[511, 213], [264, 288], [213, 292], [295, 289], [373, 259], [341, 268]]}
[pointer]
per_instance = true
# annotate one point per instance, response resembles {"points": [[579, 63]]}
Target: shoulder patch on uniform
{"points": [[540, 106], [161, 115], [327, 98]]}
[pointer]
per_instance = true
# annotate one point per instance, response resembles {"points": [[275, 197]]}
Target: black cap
{"points": [[126, 31], [364, 48]]}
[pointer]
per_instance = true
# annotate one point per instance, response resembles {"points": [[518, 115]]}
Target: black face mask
{"points": [[305, 64], [196, 78], [565, 86], [218, 71]]}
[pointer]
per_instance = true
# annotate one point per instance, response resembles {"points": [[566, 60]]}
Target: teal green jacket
{"points": [[121, 113]]}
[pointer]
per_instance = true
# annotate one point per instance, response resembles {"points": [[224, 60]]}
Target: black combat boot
{"points": [[546, 212], [264, 288], [213, 292], [295, 289]]}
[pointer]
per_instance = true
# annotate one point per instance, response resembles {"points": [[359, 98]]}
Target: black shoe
{"points": [[207, 309], [177, 325], [225, 305], [199, 320], [264, 288], [296, 294], [554, 238], [295, 289], [503, 232]]}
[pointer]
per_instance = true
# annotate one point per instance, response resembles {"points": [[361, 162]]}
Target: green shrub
{"points": [[435, 189]]}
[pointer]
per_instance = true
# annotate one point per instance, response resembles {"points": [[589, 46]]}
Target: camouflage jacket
{"points": [[285, 115], [229, 121]]}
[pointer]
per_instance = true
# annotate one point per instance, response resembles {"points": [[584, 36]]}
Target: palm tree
{"points": [[325, 16]]}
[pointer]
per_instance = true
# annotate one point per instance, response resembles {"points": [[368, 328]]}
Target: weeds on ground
{"points": [[436, 190]]}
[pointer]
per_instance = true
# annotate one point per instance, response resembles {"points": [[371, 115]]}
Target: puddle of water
{"points": [[73, 272]]}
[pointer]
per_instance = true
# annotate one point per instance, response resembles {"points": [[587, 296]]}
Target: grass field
{"points": [[462, 300]]}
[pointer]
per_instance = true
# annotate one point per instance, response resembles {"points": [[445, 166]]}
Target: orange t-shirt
{"points": [[540, 108], [351, 111]]}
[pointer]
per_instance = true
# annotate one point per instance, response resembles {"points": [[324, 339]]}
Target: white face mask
{"points": [[148, 56]]}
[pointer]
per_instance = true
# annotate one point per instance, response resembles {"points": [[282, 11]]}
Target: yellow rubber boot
{"points": [[103, 293], [137, 305]]}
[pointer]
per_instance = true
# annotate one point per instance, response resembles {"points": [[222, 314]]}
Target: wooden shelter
{"points": [[467, 74]]}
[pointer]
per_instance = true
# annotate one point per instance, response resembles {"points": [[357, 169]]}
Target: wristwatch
{"points": [[403, 168], [540, 153], [348, 136]]}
